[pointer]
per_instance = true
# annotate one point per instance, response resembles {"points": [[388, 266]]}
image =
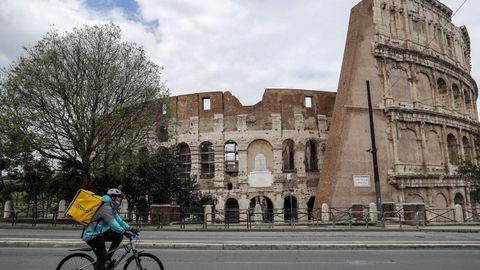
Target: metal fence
{"points": [[248, 218]]}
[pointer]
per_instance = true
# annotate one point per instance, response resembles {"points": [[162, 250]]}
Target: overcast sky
{"points": [[241, 46]]}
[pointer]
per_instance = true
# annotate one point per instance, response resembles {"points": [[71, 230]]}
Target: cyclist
{"points": [[107, 226]]}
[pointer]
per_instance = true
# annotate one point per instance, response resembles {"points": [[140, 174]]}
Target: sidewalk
{"points": [[465, 228], [261, 238]]}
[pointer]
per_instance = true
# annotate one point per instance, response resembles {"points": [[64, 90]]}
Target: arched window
{"points": [[452, 149], [433, 155], [468, 99], [457, 96], [207, 160], [424, 89], [442, 92], [231, 157], [288, 156], [467, 149], [311, 161], [232, 211], [410, 147], [185, 160], [399, 85], [290, 211]]}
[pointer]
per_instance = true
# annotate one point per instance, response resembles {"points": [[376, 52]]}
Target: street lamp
{"points": [[290, 191]]}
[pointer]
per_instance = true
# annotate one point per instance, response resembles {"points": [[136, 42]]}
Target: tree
{"points": [[470, 172], [157, 177], [82, 97]]}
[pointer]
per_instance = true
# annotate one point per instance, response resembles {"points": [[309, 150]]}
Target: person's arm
{"points": [[121, 222], [110, 218]]}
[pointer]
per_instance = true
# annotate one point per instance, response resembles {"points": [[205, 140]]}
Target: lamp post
{"points": [[290, 192], [378, 195]]}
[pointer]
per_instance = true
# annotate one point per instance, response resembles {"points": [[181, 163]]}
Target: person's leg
{"points": [[115, 238], [98, 245]]}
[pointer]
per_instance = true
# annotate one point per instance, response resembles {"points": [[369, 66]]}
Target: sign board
{"points": [[361, 180]]}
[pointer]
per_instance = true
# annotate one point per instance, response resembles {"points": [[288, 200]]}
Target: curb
{"points": [[253, 246]]}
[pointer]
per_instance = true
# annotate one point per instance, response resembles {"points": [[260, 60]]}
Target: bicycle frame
{"points": [[129, 247]]}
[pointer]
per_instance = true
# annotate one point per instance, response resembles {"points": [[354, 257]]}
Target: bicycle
{"points": [[139, 260]]}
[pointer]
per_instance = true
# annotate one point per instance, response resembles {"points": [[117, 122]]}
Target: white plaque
{"points": [[361, 180]]}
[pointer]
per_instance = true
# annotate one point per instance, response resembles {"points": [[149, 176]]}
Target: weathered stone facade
{"points": [[232, 149], [315, 144], [424, 103]]}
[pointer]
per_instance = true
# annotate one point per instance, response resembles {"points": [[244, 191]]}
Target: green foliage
{"points": [[156, 177], [471, 172], [81, 97]]}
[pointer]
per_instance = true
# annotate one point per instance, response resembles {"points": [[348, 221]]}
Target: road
{"points": [[47, 258]]}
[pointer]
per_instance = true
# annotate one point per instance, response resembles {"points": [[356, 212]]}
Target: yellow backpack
{"points": [[83, 207]]}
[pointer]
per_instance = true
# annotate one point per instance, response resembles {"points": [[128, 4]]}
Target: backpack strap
{"points": [[96, 221]]}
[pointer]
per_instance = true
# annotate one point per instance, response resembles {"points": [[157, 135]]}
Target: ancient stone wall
{"points": [[424, 99], [234, 149]]}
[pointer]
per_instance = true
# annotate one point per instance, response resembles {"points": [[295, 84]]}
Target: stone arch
{"points": [[460, 200], [399, 86], [467, 149], [424, 89], [311, 156], [440, 201], [266, 206], [457, 96], [290, 209], [259, 147], [414, 198], [232, 210], [409, 147], [442, 92], [440, 208], [185, 157], [433, 153], [288, 155], [452, 146], [230, 153], [468, 99], [207, 160]]}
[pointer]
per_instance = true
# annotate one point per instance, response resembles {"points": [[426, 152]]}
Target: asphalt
{"points": [[470, 238]]}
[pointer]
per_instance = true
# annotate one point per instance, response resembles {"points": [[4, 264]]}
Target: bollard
{"points": [[207, 212], [325, 214], [124, 209], [373, 212], [7, 210], [459, 213], [61, 208]]}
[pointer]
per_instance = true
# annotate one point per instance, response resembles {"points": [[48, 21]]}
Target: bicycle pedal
{"points": [[110, 264]]}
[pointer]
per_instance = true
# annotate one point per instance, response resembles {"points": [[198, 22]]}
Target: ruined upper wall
{"points": [[285, 102]]}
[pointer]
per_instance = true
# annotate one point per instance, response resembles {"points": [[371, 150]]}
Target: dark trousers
{"points": [[98, 245]]}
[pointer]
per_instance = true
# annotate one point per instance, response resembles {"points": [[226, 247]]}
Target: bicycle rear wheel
{"points": [[146, 260], [77, 261]]}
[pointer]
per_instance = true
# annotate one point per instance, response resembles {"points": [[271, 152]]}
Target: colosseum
{"points": [[304, 148]]}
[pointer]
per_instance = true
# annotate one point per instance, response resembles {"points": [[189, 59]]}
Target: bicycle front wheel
{"points": [[145, 261], [77, 261]]}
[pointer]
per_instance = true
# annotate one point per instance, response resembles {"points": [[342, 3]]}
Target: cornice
{"points": [[432, 117], [414, 56]]}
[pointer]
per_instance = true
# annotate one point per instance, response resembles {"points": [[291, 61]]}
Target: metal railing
{"points": [[250, 219]]}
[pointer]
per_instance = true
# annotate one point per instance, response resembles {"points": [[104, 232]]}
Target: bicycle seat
{"points": [[81, 249]]}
